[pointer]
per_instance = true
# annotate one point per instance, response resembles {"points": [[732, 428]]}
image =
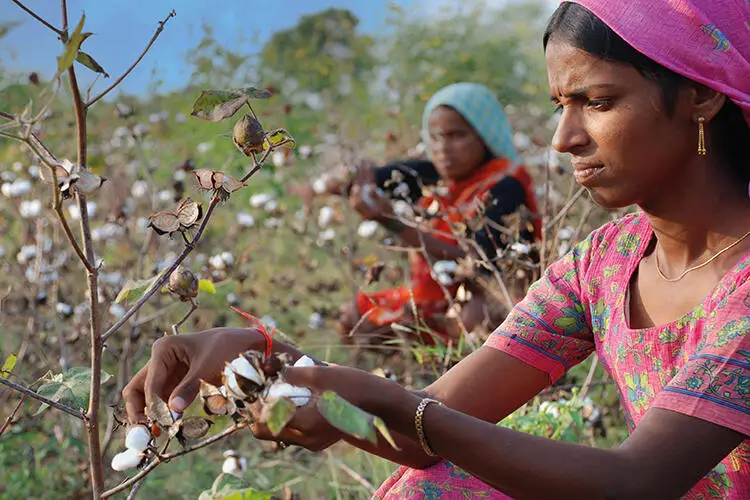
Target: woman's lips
{"points": [[585, 174]]}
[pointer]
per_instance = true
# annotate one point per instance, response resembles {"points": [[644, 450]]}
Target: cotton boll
{"points": [[204, 147], [260, 199], [139, 189], [367, 229], [315, 321], [325, 216], [278, 159], [165, 196], [128, 459], [231, 384], [137, 438], [30, 209], [117, 311], [300, 396], [228, 258], [34, 171], [241, 366], [245, 220], [304, 361]]}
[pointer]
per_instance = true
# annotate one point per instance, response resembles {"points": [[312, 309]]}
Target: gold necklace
{"points": [[694, 268]]}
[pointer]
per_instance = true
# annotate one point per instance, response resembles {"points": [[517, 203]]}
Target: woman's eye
{"points": [[600, 104]]}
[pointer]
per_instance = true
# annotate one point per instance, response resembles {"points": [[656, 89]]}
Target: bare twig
{"points": [[165, 458], [12, 415], [351, 473], [132, 67], [165, 275], [176, 326], [38, 18], [24, 390], [564, 210]]}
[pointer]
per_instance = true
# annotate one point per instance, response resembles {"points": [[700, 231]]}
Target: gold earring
{"points": [[701, 137]]}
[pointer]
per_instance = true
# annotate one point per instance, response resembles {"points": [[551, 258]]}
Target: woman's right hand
{"points": [[179, 362]]}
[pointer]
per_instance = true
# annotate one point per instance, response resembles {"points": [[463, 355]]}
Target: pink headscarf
{"points": [[707, 41]]}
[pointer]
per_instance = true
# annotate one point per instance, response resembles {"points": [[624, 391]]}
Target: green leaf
{"points": [[90, 63], [135, 289], [278, 137], [71, 48], [277, 414], [206, 286], [70, 388], [346, 417], [228, 487], [380, 426], [216, 105], [8, 366], [254, 93]]}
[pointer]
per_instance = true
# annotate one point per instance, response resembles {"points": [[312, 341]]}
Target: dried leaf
{"points": [[164, 222], [279, 137], [277, 414], [230, 184], [372, 275], [90, 63], [205, 178], [46, 174], [158, 412], [87, 182]]}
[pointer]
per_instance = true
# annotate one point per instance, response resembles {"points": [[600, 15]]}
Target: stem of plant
{"points": [[12, 415], [165, 458], [176, 326], [54, 404]]}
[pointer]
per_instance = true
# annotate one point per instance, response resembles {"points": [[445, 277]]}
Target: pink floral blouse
{"points": [[698, 365]]}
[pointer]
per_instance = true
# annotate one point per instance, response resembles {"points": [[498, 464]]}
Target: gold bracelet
{"points": [[418, 423]]}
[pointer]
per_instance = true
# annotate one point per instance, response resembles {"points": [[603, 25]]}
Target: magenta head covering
{"points": [[707, 41]]}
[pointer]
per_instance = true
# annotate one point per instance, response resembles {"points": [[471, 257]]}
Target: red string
{"points": [[261, 328]]}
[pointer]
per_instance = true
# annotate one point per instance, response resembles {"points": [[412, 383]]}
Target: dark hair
{"points": [[729, 133]]}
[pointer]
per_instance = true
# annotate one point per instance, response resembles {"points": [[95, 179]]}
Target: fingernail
{"points": [[178, 404]]}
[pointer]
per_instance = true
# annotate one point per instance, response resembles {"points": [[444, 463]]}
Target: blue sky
{"points": [[122, 29]]}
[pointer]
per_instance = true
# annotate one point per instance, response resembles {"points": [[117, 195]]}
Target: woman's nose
{"points": [[570, 134]]}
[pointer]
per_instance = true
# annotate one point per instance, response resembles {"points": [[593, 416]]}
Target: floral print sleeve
{"points": [[550, 328], [714, 384]]}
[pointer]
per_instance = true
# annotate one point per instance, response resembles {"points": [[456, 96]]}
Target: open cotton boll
{"points": [[128, 459], [137, 438], [325, 216], [242, 366], [298, 395], [231, 384], [234, 465], [367, 228], [304, 362]]}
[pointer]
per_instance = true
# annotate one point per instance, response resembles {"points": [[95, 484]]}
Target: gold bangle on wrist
{"points": [[418, 423]]}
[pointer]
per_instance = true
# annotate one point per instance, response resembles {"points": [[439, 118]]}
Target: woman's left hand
{"points": [[371, 393]]}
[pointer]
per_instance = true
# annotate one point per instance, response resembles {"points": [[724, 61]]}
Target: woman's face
{"points": [[625, 148], [457, 150]]}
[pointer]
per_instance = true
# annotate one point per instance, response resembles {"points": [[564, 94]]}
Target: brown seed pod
{"points": [[189, 212], [158, 412], [248, 135], [219, 182], [214, 402], [205, 178], [164, 222]]}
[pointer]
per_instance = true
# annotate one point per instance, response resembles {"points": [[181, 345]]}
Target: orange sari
{"points": [[460, 204]]}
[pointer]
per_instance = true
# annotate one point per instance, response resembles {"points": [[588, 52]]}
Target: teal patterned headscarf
{"points": [[478, 105]]}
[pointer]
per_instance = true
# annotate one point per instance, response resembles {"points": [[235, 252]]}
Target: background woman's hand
{"points": [[179, 362]]}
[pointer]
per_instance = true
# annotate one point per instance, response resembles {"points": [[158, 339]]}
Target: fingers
{"points": [[185, 392], [135, 399], [165, 370], [310, 377]]}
